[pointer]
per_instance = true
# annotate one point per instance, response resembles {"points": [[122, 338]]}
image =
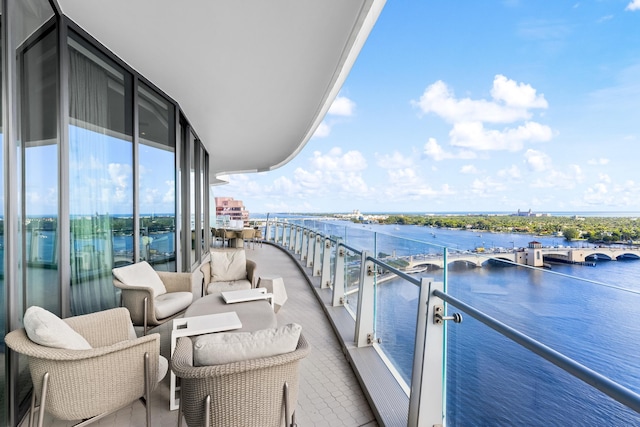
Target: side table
{"points": [[274, 285]]}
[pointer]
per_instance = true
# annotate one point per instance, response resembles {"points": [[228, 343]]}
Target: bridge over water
{"points": [[527, 256]]}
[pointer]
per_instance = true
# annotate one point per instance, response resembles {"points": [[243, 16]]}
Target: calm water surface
{"points": [[492, 381]]}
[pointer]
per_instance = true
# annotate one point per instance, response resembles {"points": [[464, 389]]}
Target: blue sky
{"points": [[475, 106]]}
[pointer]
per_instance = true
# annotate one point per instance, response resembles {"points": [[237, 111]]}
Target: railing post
{"points": [[284, 234], [275, 233], [426, 402], [317, 254], [292, 236], [303, 248], [310, 247], [267, 231], [364, 334], [325, 275], [338, 275], [298, 245]]}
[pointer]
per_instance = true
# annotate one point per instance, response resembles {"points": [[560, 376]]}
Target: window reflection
{"points": [[100, 176], [156, 154]]}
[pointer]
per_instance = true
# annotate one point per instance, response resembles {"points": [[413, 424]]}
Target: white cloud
{"points": [[474, 136], [487, 186], [600, 161], [469, 169], [513, 172], [603, 194], [342, 106], [436, 152], [566, 179], [334, 160], [537, 160], [515, 94], [511, 102], [393, 161], [322, 131], [603, 177], [633, 5], [605, 18]]}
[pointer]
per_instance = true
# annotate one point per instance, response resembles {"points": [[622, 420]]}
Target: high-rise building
{"points": [[233, 209]]}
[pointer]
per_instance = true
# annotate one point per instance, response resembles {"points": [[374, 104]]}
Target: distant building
{"points": [[233, 209], [529, 213]]}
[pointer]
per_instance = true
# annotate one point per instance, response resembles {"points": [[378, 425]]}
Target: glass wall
{"points": [[190, 152], [38, 72], [100, 175], [30, 207], [157, 181], [89, 195], [3, 299]]}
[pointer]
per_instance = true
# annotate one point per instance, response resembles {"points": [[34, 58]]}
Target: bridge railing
{"points": [[468, 371]]}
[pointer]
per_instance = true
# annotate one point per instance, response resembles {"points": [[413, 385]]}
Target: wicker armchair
{"points": [[88, 384], [248, 393], [143, 301]]}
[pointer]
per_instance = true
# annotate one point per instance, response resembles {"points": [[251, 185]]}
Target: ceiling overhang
{"points": [[254, 78]]}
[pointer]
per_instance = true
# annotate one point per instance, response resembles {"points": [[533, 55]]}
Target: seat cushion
{"points": [[229, 347], [47, 329], [168, 304], [228, 265], [140, 275], [235, 285]]}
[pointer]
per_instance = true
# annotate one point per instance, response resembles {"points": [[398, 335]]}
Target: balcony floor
{"points": [[329, 391]]}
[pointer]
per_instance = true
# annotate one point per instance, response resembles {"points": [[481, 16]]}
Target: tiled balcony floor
{"points": [[329, 391]]}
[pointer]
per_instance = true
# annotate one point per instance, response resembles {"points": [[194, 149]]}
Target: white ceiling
{"points": [[254, 77]]}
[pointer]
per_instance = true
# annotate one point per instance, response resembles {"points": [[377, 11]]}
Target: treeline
{"points": [[593, 229]]}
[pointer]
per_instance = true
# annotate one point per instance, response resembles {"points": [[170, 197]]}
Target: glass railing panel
{"points": [[397, 298], [352, 265], [591, 320]]}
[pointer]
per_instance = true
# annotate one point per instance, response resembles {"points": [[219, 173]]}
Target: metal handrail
{"points": [[609, 387], [616, 391], [395, 271]]}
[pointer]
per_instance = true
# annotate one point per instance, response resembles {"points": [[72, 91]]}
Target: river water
{"points": [[492, 381]]}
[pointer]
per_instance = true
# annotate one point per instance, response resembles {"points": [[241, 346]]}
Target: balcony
{"points": [[329, 391], [368, 366]]}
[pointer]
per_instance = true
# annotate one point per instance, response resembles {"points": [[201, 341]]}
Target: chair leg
{"points": [[43, 398], [145, 310], [207, 411], [147, 387], [180, 409], [32, 411], [286, 404]]}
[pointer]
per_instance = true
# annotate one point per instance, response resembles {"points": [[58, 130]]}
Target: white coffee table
{"points": [[198, 325], [231, 297]]}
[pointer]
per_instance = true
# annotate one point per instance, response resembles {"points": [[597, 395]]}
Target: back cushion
{"points": [[47, 329], [140, 275], [229, 347], [228, 265]]}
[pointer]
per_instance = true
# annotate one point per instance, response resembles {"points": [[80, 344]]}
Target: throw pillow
{"points": [[47, 329], [140, 275], [228, 265], [221, 348]]}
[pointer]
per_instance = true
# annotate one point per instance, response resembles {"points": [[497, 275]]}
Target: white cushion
{"points": [[235, 285], [47, 329], [140, 275], [171, 303], [221, 348], [228, 264], [163, 367]]}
